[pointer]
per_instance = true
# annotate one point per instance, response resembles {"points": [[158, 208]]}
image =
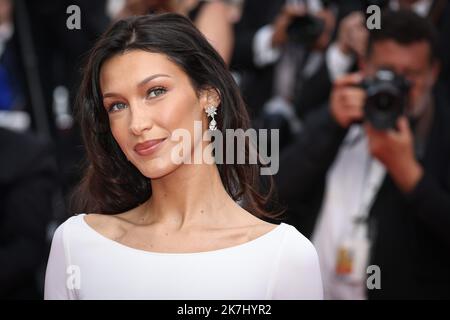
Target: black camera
{"points": [[305, 30], [387, 97]]}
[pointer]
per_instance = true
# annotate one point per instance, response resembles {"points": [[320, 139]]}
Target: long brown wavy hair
{"points": [[111, 184]]}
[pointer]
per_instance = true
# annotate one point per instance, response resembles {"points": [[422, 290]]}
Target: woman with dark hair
{"points": [[165, 229]]}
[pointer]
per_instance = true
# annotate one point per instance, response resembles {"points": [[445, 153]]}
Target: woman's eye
{"points": [[116, 107], [153, 93]]}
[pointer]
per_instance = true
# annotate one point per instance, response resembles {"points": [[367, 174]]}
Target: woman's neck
{"points": [[191, 195]]}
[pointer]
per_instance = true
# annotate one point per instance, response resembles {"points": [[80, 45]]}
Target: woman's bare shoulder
{"points": [[110, 225], [256, 226]]}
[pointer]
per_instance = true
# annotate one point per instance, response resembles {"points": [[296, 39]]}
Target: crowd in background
{"points": [[299, 65]]}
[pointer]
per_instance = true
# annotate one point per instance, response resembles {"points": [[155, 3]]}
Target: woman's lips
{"points": [[148, 147]]}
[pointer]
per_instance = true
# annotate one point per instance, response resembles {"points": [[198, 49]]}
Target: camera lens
{"points": [[385, 101], [386, 98]]}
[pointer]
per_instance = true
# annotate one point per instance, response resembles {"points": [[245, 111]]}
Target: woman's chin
{"points": [[157, 171]]}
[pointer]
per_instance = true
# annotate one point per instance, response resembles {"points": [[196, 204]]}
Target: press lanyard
{"points": [[353, 250], [374, 178]]}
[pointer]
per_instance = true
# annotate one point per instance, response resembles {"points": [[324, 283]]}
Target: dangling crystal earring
{"points": [[211, 111]]}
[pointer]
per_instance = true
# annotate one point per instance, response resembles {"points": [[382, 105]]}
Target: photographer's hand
{"points": [[347, 100], [328, 17], [395, 149], [281, 23]]}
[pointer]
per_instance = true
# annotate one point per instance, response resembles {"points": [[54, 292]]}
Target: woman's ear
{"points": [[210, 97]]}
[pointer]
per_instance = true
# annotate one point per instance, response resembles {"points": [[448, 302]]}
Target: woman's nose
{"points": [[140, 121]]}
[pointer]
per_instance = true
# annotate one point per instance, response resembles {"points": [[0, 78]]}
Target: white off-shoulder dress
{"points": [[83, 264]]}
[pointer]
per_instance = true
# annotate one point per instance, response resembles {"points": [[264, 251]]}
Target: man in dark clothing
{"points": [[27, 181], [409, 216], [255, 81]]}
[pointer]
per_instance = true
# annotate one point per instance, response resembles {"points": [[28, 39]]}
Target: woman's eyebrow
{"points": [[140, 84], [150, 78]]}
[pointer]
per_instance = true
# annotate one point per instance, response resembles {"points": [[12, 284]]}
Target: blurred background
{"points": [[285, 56]]}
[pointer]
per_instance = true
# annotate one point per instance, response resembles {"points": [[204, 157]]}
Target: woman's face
{"points": [[147, 97]]}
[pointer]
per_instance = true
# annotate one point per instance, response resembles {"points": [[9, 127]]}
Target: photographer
{"points": [[374, 195], [292, 44], [346, 52]]}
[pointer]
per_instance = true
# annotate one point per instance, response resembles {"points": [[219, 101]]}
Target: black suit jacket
{"points": [[256, 82], [411, 238], [27, 179]]}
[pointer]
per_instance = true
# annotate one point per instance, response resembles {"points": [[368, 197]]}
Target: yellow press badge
{"points": [[352, 259], [344, 263]]}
